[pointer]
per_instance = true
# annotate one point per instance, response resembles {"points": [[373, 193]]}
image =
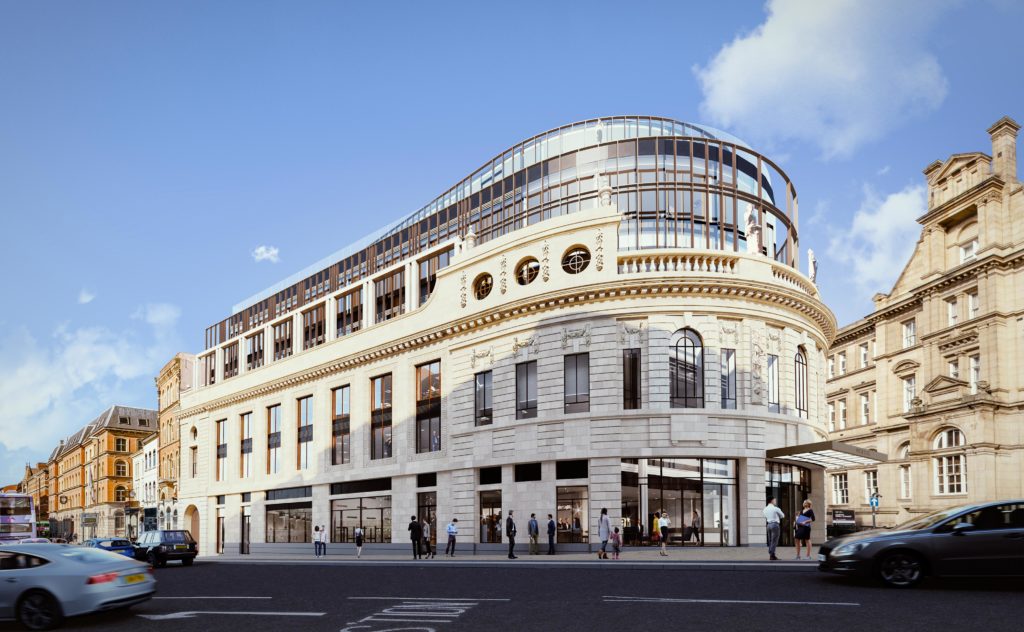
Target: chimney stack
{"points": [[1004, 148]]}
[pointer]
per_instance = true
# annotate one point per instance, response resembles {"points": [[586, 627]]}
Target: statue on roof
{"points": [[752, 231], [812, 265]]}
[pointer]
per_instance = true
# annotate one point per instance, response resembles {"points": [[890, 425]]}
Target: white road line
{"points": [[212, 597], [188, 614], [620, 598], [474, 599]]}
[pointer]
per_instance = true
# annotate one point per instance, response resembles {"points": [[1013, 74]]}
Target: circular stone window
{"points": [[483, 286], [576, 260], [527, 271]]}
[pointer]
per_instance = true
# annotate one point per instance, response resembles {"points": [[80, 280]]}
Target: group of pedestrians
{"points": [[320, 540], [532, 531], [773, 517], [419, 534]]}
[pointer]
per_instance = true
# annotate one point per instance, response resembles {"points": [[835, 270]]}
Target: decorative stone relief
{"points": [[529, 344], [599, 251], [630, 332], [504, 274], [462, 290], [774, 341], [481, 355], [757, 360], [576, 335], [729, 333], [545, 269]]}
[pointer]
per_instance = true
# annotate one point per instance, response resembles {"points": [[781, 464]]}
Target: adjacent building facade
{"points": [[607, 315], [143, 510], [174, 379], [933, 376]]}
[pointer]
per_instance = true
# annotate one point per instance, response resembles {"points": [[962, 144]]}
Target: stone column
{"points": [[331, 318]]}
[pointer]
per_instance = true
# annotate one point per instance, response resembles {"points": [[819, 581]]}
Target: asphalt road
{"points": [[436, 597]]}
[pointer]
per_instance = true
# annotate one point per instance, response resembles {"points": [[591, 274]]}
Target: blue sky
{"points": [[147, 149]]}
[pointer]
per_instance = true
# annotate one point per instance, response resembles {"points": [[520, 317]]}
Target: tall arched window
{"points": [[906, 483], [800, 377], [686, 369], [120, 494], [120, 468], [950, 468]]}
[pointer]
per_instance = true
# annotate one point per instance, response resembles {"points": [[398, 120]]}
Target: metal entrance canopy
{"points": [[829, 454]]}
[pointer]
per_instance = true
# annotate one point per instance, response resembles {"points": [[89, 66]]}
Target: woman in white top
{"points": [[359, 542], [663, 524]]}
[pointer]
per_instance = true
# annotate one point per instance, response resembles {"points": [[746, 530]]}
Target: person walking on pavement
{"points": [[510, 532], [552, 530], [416, 535], [773, 517], [316, 541], [802, 535], [323, 540], [453, 531], [533, 530], [663, 526], [616, 543], [696, 526], [359, 542], [426, 538], [604, 531]]}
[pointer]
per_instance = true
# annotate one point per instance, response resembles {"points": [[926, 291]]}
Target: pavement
{"points": [[427, 597]]}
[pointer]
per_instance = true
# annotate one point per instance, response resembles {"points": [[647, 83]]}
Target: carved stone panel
{"points": [[757, 365], [575, 337]]}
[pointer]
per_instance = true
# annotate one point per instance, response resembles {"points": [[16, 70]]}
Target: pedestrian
{"points": [[533, 530], [426, 538], [656, 529], [616, 543], [604, 530], [802, 535], [663, 525], [323, 540], [359, 542], [416, 535], [453, 530], [316, 542], [510, 532], [552, 530], [773, 517], [696, 526]]}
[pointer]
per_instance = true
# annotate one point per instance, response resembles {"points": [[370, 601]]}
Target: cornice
{"points": [[623, 289], [991, 182]]}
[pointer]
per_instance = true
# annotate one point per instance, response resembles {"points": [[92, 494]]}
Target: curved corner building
{"points": [[606, 315]]}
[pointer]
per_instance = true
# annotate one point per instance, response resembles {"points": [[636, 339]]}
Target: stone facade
{"points": [[174, 378], [932, 377]]}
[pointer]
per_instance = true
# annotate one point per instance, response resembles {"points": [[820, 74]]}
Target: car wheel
{"points": [[39, 610], [151, 559], [901, 569], [187, 561]]}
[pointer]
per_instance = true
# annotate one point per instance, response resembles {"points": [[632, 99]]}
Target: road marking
{"points": [[212, 597], [188, 614], [473, 599], [758, 602]]}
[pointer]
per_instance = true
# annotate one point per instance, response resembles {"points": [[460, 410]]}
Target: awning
{"points": [[829, 454]]}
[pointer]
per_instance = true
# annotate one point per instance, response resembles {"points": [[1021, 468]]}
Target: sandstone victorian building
{"points": [[934, 377], [607, 315], [174, 379]]}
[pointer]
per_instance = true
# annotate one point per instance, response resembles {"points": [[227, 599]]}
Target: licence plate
{"points": [[134, 579], [180, 547], [821, 557]]}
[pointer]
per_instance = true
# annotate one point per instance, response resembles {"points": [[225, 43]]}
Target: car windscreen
{"points": [[176, 537], [89, 556], [119, 543], [930, 520]]}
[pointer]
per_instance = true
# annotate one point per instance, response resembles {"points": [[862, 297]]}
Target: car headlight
{"points": [[849, 549]]}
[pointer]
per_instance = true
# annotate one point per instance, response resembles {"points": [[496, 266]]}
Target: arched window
{"points": [[906, 482], [800, 377], [686, 369], [174, 524], [119, 523], [120, 494], [950, 468], [120, 468]]}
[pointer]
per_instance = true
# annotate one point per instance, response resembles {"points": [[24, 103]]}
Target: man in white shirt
{"points": [[453, 530], [773, 516]]}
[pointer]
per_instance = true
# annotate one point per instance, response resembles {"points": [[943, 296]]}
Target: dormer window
{"points": [[969, 251]]}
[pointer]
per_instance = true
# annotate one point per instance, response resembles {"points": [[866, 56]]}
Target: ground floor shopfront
{"points": [[708, 502]]}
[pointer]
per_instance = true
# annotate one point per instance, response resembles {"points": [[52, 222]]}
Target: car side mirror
{"points": [[961, 528]]}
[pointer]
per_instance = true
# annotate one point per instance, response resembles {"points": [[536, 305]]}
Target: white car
{"points": [[41, 584]]}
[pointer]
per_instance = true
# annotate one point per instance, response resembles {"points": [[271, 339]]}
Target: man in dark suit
{"points": [[416, 535], [552, 529], [510, 531]]}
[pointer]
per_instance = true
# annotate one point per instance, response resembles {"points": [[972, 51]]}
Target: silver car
{"points": [[41, 584]]}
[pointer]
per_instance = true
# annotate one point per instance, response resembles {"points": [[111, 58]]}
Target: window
{"points": [[863, 355], [254, 352], [909, 392], [482, 286], [120, 468], [950, 469], [290, 522], [576, 260], [870, 483], [526, 390], [483, 399], [949, 438], [773, 383], [121, 495], [390, 293], [951, 312], [975, 374], [208, 369], [313, 327], [123, 421], [973, 305], [230, 360], [728, 378], [906, 482], [969, 251], [831, 367], [840, 492], [273, 439], [245, 453], [120, 444], [527, 472], [832, 416], [194, 461], [350, 313], [800, 374], [686, 369], [222, 448], [283, 339], [577, 382], [630, 379], [865, 409], [428, 272], [341, 437], [305, 432], [428, 407], [527, 271], [909, 334], [371, 513], [842, 414], [954, 369], [842, 363], [380, 417]]}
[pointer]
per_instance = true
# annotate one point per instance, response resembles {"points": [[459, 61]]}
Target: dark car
{"points": [[114, 545], [985, 539], [157, 547]]}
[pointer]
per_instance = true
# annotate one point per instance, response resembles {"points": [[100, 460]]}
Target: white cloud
{"points": [[85, 296], [838, 74], [877, 244], [884, 170], [265, 253]]}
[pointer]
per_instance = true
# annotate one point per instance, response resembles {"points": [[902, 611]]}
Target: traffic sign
{"points": [[874, 502]]}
